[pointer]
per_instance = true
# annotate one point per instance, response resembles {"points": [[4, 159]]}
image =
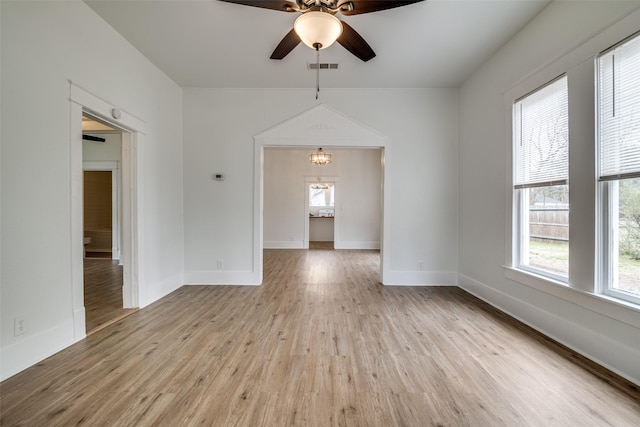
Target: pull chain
{"points": [[317, 45]]}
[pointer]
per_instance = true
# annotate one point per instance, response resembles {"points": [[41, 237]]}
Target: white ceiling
{"points": [[209, 43]]}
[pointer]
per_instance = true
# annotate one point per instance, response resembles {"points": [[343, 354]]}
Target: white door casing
{"points": [[320, 126], [133, 134], [327, 180]]}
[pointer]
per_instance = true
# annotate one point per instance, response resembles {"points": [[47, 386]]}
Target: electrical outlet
{"points": [[220, 263], [19, 326], [420, 265]]}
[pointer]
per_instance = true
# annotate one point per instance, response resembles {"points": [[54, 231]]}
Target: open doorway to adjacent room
{"points": [[287, 154], [102, 223], [333, 206], [321, 209]]}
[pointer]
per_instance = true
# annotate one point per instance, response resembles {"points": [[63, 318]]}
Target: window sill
{"points": [[613, 308]]}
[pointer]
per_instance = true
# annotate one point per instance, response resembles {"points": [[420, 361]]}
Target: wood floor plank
{"points": [[103, 293], [320, 343]]}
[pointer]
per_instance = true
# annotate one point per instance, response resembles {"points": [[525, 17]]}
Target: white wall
{"points": [[44, 45], [358, 193], [606, 332], [421, 188], [321, 229], [110, 150]]}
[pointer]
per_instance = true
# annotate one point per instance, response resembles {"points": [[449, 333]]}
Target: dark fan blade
{"points": [[286, 45], [354, 43], [282, 5], [367, 6]]}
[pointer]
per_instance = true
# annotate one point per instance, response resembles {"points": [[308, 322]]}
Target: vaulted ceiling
{"points": [[209, 43]]}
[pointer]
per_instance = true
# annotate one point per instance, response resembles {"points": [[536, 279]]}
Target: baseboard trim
{"points": [[79, 324], [420, 278], [221, 277], [357, 245], [150, 294], [286, 244], [611, 354], [34, 348]]}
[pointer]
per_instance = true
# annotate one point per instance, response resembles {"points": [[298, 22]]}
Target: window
{"points": [[321, 195], [619, 170], [541, 172]]}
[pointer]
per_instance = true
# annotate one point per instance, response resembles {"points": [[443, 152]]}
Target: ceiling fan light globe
{"points": [[318, 28]]}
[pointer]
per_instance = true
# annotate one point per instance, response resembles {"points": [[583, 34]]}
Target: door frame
{"points": [[82, 102], [319, 126], [308, 180]]}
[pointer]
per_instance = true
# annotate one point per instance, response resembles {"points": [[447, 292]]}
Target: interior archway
{"points": [[320, 126]]}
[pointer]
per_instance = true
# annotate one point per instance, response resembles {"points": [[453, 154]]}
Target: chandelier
{"points": [[320, 157]]}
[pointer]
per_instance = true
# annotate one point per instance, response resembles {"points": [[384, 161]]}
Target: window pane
{"points": [[627, 278], [548, 230], [321, 195]]}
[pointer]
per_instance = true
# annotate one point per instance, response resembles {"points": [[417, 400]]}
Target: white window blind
{"points": [[541, 126], [619, 113]]}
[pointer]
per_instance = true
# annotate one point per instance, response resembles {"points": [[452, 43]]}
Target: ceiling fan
{"points": [[317, 26]]}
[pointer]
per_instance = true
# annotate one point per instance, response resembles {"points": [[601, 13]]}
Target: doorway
{"points": [[320, 214], [320, 126], [131, 129], [102, 263]]}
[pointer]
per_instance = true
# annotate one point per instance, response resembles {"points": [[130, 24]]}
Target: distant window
{"points": [[321, 195], [541, 173], [619, 170]]}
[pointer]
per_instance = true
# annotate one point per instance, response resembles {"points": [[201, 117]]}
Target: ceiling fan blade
{"points": [[367, 6], [354, 43], [281, 5], [286, 45]]}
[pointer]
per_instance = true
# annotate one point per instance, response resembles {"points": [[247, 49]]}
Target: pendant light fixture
{"points": [[320, 157]]}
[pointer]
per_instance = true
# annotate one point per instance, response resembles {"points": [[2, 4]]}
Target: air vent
{"points": [[323, 66]]}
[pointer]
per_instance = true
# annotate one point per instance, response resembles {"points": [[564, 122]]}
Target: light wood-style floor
{"points": [[320, 343], [102, 293], [321, 245]]}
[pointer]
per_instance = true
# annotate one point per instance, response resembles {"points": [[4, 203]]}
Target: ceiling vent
{"points": [[322, 66]]}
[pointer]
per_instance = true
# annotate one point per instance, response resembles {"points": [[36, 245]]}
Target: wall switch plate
{"points": [[19, 326]]}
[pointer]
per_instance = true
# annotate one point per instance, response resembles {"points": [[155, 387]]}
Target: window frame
{"points": [[608, 243], [579, 65], [607, 201], [520, 192]]}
